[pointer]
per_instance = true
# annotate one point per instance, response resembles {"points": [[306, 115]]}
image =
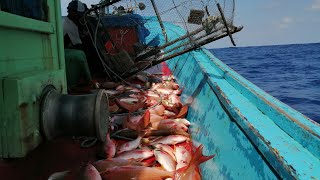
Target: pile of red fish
{"points": [[148, 137]]}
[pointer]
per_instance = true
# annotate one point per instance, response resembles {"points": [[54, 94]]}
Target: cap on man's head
{"points": [[77, 6]]}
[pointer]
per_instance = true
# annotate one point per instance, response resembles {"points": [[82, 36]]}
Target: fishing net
{"points": [[163, 29], [197, 19]]}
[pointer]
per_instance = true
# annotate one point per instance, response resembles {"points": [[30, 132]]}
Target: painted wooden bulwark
{"points": [[253, 135], [31, 58]]}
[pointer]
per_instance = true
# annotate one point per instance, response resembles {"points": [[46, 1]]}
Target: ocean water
{"points": [[291, 73]]}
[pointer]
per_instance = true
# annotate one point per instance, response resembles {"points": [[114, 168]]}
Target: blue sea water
{"points": [[291, 73]]}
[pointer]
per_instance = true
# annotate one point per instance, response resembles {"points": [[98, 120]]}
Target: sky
{"points": [[64, 4], [276, 22], [265, 22]]}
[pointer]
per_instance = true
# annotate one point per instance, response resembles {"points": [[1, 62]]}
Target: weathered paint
{"points": [[301, 128], [253, 135], [213, 127], [31, 57]]}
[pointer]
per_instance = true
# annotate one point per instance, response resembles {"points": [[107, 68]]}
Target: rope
{"points": [[95, 45], [179, 15], [86, 142], [85, 23]]}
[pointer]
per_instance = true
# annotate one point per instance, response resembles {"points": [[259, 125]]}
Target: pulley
{"points": [[74, 115]]}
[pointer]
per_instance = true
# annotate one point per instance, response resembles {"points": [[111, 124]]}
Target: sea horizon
{"points": [[266, 45], [290, 72]]}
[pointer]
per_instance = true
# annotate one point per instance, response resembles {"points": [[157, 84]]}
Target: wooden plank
{"points": [[13, 21], [236, 157], [301, 128], [288, 157]]}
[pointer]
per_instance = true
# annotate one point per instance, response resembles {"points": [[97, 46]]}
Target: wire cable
{"points": [[95, 45]]}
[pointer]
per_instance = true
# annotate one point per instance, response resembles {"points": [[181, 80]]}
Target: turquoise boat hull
{"points": [[254, 135]]}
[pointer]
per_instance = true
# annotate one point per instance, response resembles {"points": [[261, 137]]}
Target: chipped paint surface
{"points": [[301, 128], [253, 135], [248, 143], [213, 127]]}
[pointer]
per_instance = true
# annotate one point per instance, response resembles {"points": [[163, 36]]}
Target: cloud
{"points": [[315, 5], [272, 5], [286, 22]]}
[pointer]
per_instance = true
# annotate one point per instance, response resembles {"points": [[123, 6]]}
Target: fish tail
{"points": [[196, 160], [205, 158], [148, 163], [183, 112], [153, 141], [199, 158]]}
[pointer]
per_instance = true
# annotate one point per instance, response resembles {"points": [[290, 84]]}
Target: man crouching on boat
{"points": [[76, 62]]}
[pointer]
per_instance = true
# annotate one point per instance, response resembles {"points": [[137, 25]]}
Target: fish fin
{"points": [[205, 158], [174, 148], [179, 173], [148, 163], [196, 160], [156, 139], [107, 138], [146, 118], [198, 157], [145, 141], [197, 154], [183, 112], [130, 107], [175, 110], [59, 175], [137, 160]]}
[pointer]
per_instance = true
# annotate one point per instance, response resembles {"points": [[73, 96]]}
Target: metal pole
{"points": [[155, 62], [226, 24], [104, 4], [187, 43], [160, 20], [182, 37], [204, 42]]}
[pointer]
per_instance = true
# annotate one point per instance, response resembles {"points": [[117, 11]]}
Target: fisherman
{"points": [[72, 28], [73, 32]]}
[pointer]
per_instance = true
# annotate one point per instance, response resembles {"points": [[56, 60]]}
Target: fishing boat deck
{"points": [[57, 155], [65, 153]]}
